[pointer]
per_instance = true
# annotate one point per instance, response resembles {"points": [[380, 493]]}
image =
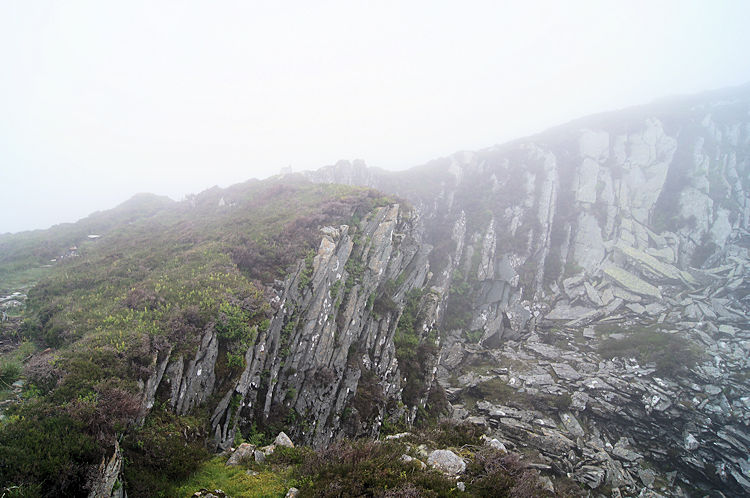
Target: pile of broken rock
{"points": [[622, 424]]}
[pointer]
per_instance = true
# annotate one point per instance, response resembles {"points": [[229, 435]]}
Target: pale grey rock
{"points": [[572, 425], [647, 477], [593, 295], [594, 144], [547, 484], [588, 247], [495, 444], [698, 206], [409, 459], [446, 461], [565, 371], [579, 400], [631, 282], [626, 296], [243, 454], [596, 384], [152, 384], [486, 268], [587, 181], [728, 330], [105, 478], [691, 443], [197, 380], [636, 308], [623, 451], [712, 389], [283, 440], [564, 311], [400, 435], [665, 254], [721, 228], [591, 476]]}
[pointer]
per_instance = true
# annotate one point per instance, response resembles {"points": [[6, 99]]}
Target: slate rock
{"points": [[446, 461], [244, 453]]}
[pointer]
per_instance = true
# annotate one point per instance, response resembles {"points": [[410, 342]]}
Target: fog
{"points": [[101, 100]]}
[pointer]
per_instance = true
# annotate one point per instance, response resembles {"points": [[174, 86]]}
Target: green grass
{"points": [[235, 481]]}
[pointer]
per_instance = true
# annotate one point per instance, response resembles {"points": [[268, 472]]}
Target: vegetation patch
{"points": [[413, 352], [368, 468], [235, 481], [498, 391], [459, 306], [167, 449], [672, 354], [372, 468], [45, 451]]}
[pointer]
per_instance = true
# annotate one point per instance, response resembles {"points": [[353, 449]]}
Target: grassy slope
{"points": [[160, 275]]}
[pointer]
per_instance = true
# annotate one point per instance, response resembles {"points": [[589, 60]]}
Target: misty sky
{"points": [[100, 100]]}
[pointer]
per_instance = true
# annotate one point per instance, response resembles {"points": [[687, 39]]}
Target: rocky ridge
{"points": [[618, 226]]}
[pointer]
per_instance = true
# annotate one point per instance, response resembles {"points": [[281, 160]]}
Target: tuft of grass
{"points": [[492, 473]]}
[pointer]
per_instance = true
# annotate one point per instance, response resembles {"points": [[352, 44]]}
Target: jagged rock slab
{"points": [[632, 283]]}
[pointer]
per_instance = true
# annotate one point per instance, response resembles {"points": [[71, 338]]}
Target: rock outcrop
{"points": [[329, 364]]}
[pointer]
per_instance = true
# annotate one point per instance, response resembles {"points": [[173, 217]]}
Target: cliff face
{"points": [[630, 226], [533, 282]]}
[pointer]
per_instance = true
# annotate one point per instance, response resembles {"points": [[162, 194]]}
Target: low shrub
{"points": [[368, 468], [10, 370], [288, 456], [498, 474], [39, 444], [167, 449], [448, 434]]}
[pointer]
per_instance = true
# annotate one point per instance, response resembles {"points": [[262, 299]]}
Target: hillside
{"points": [[159, 279], [579, 297]]}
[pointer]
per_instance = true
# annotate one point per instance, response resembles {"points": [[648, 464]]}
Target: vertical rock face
{"points": [[512, 262], [669, 179]]}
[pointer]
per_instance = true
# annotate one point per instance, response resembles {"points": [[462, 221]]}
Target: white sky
{"points": [[100, 100]]}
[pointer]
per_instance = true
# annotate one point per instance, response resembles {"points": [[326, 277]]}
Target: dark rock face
{"points": [[534, 282]]}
